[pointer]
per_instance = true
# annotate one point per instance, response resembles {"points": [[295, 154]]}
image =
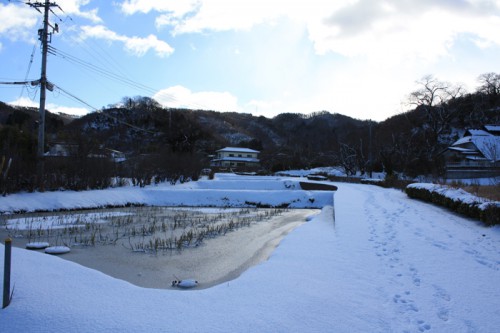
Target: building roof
{"points": [[463, 150], [461, 141], [486, 143], [477, 132], [237, 159], [492, 128], [489, 146], [238, 150]]}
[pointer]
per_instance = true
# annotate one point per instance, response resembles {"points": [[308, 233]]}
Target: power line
{"points": [[106, 59], [16, 82], [103, 57], [28, 70], [99, 55], [103, 72], [96, 51], [110, 75], [67, 93]]}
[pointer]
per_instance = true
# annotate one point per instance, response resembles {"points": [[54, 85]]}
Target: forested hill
{"points": [[177, 142]]}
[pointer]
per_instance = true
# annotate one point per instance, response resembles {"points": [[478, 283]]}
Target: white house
{"points": [[236, 158], [476, 154]]}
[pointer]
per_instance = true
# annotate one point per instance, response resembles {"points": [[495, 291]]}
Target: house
{"points": [[475, 155], [236, 158], [62, 149], [71, 150]]}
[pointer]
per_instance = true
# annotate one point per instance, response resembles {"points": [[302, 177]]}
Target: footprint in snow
{"points": [[423, 326], [442, 293], [414, 276], [443, 314], [405, 303]]}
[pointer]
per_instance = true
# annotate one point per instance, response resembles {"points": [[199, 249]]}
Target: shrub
{"points": [[458, 201]]}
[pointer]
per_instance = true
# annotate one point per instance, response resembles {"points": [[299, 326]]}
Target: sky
{"points": [[360, 58]]}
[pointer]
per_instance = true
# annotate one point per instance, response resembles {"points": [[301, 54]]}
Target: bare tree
{"points": [[433, 97], [348, 159], [490, 83], [432, 93]]}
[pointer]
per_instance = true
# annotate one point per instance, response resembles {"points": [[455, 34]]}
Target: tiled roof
{"points": [[238, 150]]}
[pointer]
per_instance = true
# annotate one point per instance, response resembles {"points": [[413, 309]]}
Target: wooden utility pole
{"points": [[6, 273], [45, 37]]}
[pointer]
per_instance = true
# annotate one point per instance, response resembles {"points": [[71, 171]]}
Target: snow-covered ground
{"points": [[226, 191], [386, 264]]}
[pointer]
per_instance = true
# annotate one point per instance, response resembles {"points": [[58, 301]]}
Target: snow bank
{"points": [[331, 171], [224, 191], [457, 200], [455, 194]]}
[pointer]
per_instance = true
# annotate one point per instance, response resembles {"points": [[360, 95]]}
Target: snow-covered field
{"points": [[225, 191], [386, 264]]}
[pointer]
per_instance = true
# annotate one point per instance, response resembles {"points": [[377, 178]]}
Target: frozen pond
{"points": [[151, 246], [140, 229]]}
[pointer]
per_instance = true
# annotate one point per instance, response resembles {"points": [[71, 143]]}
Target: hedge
{"points": [[457, 200]]}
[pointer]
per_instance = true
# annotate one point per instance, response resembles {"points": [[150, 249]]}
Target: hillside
{"points": [[171, 144]]}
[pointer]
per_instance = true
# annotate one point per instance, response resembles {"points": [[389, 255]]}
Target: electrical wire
{"points": [[70, 95], [110, 75], [99, 55], [96, 51], [98, 70], [35, 84], [28, 71], [15, 82], [116, 77], [107, 58]]}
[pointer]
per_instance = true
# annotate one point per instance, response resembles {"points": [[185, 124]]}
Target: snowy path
{"points": [[389, 264], [431, 268]]}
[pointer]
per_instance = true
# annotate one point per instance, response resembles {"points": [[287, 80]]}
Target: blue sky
{"points": [[360, 58]]}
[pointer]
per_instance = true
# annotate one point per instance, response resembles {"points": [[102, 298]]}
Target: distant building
{"points": [[236, 158], [70, 150], [475, 155], [62, 149]]}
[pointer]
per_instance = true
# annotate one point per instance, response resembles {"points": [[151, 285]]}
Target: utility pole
{"points": [[45, 37], [370, 150]]}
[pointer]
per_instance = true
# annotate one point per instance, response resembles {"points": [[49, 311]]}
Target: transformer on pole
{"points": [[45, 37]]}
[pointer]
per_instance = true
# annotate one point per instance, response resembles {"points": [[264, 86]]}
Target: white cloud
{"points": [[223, 15], [135, 45], [139, 46], [181, 97], [73, 8], [406, 30], [389, 30], [176, 7], [269, 108], [54, 108], [17, 22], [24, 101]]}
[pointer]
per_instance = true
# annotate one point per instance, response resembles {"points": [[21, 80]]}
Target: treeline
{"points": [[141, 144], [139, 140]]}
